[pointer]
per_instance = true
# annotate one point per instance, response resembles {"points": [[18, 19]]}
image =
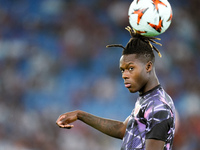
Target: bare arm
{"points": [[152, 144], [110, 127]]}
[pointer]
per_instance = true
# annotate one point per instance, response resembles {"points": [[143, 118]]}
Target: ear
{"points": [[149, 66]]}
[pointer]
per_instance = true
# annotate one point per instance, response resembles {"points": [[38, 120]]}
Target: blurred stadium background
{"points": [[53, 60]]}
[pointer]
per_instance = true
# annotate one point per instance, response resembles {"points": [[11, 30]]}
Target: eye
{"points": [[131, 68], [122, 70]]}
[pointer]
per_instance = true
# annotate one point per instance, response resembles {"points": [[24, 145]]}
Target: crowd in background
{"points": [[53, 60]]}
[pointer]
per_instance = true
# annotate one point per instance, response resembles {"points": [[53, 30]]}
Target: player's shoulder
{"points": [[156, 97]]}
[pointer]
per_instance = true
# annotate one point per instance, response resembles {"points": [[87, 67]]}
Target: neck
{"points": [[152, 82]]}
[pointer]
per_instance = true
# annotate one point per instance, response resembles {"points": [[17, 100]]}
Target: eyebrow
{"points": [[130, 63]]}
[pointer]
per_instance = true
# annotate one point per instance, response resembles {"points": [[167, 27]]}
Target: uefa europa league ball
{"points": [[150, 17]]}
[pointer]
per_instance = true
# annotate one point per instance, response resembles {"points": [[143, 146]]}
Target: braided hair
{"points": [[140, 45]]}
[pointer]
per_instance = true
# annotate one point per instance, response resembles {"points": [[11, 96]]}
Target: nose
{"points": [[125, 74]]}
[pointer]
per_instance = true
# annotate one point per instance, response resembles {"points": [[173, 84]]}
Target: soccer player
{"points": [[151, 125]]}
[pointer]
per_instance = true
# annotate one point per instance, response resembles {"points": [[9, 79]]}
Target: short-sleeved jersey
{"points": [[152, 118]]}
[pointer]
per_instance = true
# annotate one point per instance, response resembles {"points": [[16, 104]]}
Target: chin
{"points": [[132, 90]]}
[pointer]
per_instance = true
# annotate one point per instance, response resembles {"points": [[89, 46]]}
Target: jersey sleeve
{"points": [[159, 120], [160, 130]]}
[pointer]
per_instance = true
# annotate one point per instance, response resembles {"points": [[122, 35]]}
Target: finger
{"points": [[60, 118], [66, 126], [59, 123]]}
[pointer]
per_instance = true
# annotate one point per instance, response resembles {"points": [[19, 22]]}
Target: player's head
{"points": [[139, 45], [136, 62]]}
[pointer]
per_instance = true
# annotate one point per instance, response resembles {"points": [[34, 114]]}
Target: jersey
{"points": [[152, 118]]}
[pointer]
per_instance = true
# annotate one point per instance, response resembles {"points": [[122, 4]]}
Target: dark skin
{"points": [[139, 76]]}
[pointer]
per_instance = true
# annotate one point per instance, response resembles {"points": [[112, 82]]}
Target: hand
{"points": [[65, 119]]}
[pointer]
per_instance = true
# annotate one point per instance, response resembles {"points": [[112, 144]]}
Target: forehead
{"points": [[128, 58]]}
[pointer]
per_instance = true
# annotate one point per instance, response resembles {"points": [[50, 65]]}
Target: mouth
{"points": [[127, 85]]}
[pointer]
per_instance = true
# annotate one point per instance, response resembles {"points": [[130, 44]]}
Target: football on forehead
{"points": [[150, 17]]}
